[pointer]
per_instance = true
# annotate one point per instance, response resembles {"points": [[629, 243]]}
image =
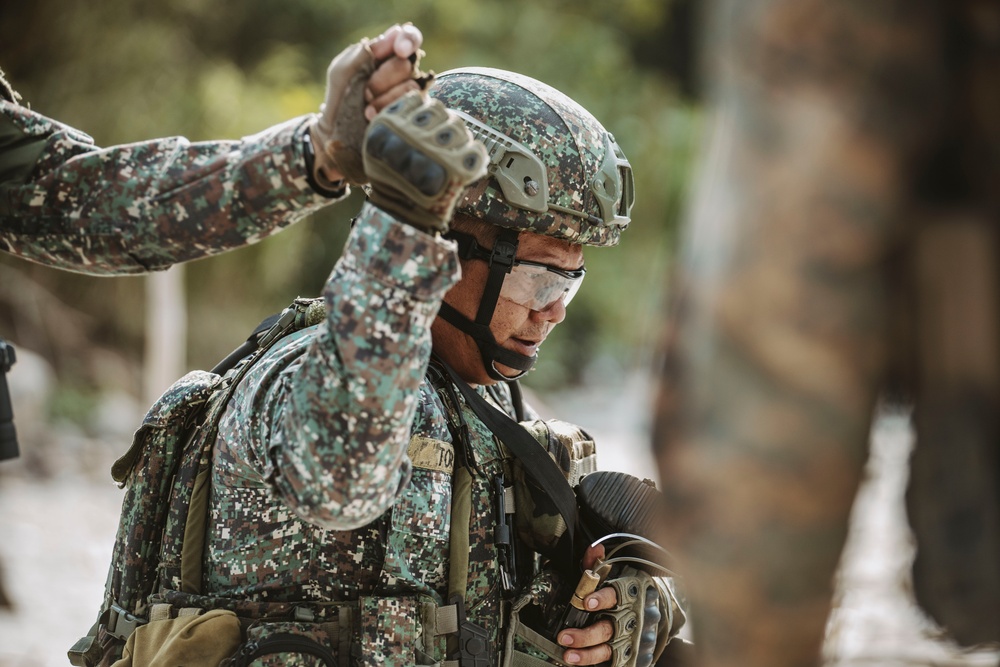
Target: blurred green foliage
{"points": [[125, 70]]}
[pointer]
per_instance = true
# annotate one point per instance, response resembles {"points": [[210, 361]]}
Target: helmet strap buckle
{"points": [[500, 263]]}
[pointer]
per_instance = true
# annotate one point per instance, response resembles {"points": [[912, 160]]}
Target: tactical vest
{"points": [[154, 597]]}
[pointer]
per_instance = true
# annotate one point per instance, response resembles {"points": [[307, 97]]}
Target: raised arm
{"points": [[328, 415], [141, 207]]}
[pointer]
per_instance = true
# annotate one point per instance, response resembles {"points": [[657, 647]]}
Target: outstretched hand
{"points": [[362, 80], [394, 74]]}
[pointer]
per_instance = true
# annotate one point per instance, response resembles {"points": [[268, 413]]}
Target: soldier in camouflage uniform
{"points": [[354, 481], [142, 207]]}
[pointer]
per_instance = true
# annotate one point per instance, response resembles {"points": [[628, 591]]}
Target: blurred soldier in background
{"points": [[843, 239]]}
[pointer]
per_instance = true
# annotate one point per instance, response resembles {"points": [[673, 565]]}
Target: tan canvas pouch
{"points": [[204, 640]]}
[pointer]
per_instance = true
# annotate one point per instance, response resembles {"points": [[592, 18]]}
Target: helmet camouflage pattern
{"points": [[554, 169]]}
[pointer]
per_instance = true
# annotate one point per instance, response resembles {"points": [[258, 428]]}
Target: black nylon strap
{"points": [[489, 350], [517, 398], [248, 347], [500, 262], [537, 462]]}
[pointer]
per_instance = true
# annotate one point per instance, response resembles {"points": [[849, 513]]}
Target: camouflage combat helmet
{"points": [[554, 170]]}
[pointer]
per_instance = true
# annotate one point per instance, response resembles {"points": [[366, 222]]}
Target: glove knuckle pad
{"points": [[622, 652], [636, 618], [623, 623], [419, 156]]}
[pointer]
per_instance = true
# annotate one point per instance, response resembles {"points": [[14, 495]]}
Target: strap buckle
{"points": [[473, 640], [121, 623]]}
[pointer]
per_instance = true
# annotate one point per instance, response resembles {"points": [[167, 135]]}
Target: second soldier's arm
{"points": [[67, 203], [140, 207]]}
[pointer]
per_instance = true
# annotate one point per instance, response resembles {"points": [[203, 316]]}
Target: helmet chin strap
{"points": [[489, 350], [500, 262]]}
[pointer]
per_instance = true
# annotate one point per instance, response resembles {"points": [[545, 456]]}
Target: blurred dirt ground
{"points": [[58, 532]]}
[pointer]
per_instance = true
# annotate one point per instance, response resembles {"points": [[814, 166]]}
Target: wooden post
{"points": [[166, 331]]}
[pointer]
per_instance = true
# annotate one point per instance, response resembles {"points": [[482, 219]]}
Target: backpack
{"points": [[165, 474]]}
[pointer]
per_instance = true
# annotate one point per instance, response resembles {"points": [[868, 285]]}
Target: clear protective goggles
{"points": [[539, 286], [534, 285]]}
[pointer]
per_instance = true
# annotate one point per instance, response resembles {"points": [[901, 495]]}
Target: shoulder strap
{"points": [[537, 463], [517, 398], [301, 314], [248, 347]]}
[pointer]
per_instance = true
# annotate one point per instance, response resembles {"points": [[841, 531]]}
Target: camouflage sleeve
{"points": [[140, 207], [332, 428]]}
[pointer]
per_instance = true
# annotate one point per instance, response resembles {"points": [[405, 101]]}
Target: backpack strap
{"points": [[549, 479], [248, 347], [301, 314]]}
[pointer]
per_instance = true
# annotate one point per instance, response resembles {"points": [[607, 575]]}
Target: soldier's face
{"points": [[515, 327]]}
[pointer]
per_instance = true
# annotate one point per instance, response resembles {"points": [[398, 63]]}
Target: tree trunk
{"points": [[839, 128]]}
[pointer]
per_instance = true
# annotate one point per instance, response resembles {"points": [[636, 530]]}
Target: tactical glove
{"points": [[340, 129], [418, 157], [646, 617]]}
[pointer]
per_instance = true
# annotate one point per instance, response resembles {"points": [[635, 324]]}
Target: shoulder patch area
{"points": [[430, 454]]}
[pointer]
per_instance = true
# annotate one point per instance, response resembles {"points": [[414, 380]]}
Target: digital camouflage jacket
{"points": [[141, 207], [332, 478]]}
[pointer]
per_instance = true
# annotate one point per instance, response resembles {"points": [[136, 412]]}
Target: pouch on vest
{"points": [[538, 523], [202, 640]]}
